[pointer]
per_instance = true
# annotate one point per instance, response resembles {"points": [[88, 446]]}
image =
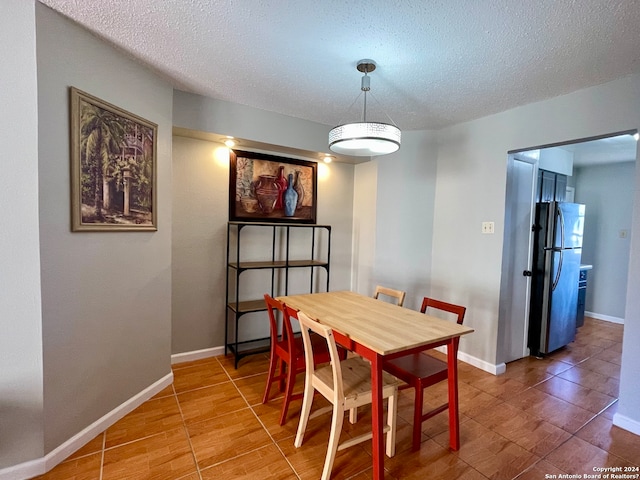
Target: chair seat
{"points": [[416, 367], [356, 377]]}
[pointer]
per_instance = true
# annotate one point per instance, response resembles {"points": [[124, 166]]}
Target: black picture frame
{"points": [[261, 188]]}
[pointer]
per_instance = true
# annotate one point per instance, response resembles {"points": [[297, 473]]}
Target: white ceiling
{"points": [[621, 148], [440, 62]]}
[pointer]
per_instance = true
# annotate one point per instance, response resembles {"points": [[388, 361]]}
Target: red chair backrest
{"points": [[447, 307], [287, 330]]}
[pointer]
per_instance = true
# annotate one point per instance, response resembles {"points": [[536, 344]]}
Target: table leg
{"points": [[452, 370], [377, 418]]}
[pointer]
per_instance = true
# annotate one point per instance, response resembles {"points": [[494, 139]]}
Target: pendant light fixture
{"points": [[365, 138]]}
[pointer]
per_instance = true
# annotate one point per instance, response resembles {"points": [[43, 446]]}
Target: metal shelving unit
{"points": [[280, 261]]}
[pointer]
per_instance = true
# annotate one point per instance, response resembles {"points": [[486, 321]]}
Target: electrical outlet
{"points": [[487, 227]]}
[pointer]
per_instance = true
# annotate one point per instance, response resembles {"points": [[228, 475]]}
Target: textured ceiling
{"points": [[440, 62]]}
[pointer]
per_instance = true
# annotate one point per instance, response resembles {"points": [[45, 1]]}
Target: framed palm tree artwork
{"points": [[113, 167]]}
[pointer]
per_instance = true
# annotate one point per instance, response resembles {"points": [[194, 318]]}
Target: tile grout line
{"points": [[574, 434], [262, 424], [186, 431], [104, 444], [249, 407]]}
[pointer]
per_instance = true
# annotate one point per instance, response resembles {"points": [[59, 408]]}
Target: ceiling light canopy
{"points": [[365, 138]]}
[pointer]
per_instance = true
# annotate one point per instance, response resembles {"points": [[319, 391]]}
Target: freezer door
{"points": [[569, 225]]}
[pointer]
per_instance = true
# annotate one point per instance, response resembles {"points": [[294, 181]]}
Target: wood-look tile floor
{"points": [[541, 418]]}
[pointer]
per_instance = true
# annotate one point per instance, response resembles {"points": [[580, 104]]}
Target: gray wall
{"points": [[21, 397], [106, 296], [394, 247], [470, 189], [205, 114], [607, 191], [200, 215], [200, 197]]}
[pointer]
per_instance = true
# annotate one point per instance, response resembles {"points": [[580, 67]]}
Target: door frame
{"points": [[504, 318], [508, 318]]}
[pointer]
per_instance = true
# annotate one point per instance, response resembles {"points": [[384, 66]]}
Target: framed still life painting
{"points": [[269, 188], [113, 167]]}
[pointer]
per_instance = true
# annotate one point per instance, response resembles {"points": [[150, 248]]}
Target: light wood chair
{"points": [[421, 370], [287, 353], [346, 384], [398, 295]]}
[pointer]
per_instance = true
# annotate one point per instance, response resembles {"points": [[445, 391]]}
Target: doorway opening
{"points": [[597, 172]]}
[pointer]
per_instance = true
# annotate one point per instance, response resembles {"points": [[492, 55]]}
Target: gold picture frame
{"points": [[113, 167]]}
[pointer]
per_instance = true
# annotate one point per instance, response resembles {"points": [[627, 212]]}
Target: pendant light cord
{"points": [[383, 110], [364, 112], [366, 88], [341, 122]]}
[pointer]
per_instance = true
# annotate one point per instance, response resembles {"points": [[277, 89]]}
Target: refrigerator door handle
{"points": [[561, 226], [557, 279]]}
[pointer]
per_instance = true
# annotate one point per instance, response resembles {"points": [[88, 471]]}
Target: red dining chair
{"points": [[421, 370], [287, 353]]}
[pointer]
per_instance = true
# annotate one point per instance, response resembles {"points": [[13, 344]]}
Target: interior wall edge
{"points": [[60, 453]]}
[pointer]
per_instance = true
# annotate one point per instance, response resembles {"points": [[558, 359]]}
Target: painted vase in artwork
{"points": [[297, 186], [282, 186], [267, 192], [290, 198]]}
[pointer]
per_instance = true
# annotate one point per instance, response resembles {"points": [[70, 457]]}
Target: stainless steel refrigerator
{"points": [[557, 250]]}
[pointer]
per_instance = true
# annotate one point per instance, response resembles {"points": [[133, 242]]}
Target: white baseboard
{"points": [[41, 465], [606, 318], [462, 356], [482, 365], [476, 362], [24, 470], [626, 423], [196, 355]]}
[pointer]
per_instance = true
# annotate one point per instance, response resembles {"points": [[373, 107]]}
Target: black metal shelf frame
{"points": [[235, 267]]}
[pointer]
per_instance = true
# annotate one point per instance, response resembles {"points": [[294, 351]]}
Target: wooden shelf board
{"points": [[248, 306], [278, 264]]}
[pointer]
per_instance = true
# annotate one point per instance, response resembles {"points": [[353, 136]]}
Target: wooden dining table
{"points": [[379, 331]]}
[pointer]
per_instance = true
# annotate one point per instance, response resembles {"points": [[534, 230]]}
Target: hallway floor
{"points": [[542, 417]]}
